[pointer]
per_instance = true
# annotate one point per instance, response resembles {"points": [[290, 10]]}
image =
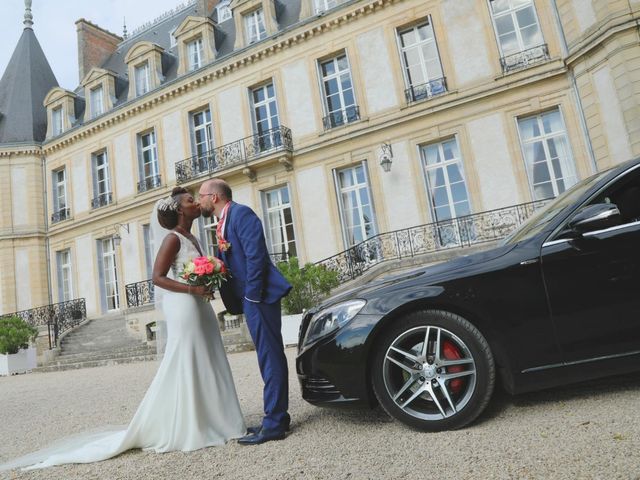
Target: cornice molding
{"points": [[182, 85], [601, 33], [20, 150]]}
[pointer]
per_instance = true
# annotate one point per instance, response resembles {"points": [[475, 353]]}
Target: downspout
{"points": [[47, 245], [574, 88]]}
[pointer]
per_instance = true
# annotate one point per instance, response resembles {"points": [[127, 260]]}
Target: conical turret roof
{"points": [[23, 87]]}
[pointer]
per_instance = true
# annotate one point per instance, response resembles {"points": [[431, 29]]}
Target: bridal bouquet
{"points": [[209, 271]]}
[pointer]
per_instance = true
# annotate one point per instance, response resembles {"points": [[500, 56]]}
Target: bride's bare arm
{"points": [[167, 253]]}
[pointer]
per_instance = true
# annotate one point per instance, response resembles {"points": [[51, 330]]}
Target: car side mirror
{"points": [[595, 217]]}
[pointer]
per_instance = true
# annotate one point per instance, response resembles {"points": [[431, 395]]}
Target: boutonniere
{"points": [[223, 245]]}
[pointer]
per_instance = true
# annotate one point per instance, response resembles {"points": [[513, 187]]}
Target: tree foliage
{"points": [[15, 334], [311, 284]]}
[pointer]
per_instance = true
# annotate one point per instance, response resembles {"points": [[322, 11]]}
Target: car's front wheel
{"points": [[433, 370]]}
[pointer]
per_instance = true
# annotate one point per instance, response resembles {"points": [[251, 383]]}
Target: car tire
{"points": [[427, 391]]}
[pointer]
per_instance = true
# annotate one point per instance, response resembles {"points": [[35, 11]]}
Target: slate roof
{"points": [[25, 83], [287, 12]]}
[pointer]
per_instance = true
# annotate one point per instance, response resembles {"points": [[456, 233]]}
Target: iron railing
{"points": [[408, 242], [233, 154], [58, 317], [149, 183], [458, 232], [102, 200], [60, 215], [139, 293], [424, 91], [525, 58], [341, 117]]}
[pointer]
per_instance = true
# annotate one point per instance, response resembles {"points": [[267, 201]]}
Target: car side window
{"points": [[625, 194]]}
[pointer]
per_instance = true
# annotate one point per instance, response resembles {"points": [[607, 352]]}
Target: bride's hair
{"points": [[168, 208]]}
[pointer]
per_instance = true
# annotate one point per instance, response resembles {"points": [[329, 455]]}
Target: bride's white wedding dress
{"points": [[191, 403]]}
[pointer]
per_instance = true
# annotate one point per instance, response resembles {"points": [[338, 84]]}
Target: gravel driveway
{"points": [[587, 431]]}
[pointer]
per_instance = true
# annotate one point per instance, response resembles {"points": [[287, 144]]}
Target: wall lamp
{"points": [[386, 156], [116, 238]]}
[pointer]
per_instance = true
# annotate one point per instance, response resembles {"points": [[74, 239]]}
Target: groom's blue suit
{"points": [[257, 286]]}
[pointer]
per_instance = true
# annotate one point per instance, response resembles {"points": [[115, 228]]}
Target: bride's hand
{"points": [[200, 290]]}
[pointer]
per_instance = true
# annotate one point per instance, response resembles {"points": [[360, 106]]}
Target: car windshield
{"points": [[541, 218]]}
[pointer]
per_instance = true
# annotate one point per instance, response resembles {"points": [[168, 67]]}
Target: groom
{"points": [[255, 288]]}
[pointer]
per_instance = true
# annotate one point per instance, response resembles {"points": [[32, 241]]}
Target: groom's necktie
{"points": [[221, 222]]}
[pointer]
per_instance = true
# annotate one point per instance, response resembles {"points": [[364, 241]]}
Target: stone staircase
{"points": [[99, 342]]}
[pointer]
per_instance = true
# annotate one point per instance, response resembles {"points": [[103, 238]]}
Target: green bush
{"points": [[311, 284], [15, 334]]}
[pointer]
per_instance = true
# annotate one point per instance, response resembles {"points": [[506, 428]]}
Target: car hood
{"points": [[431, 273]]}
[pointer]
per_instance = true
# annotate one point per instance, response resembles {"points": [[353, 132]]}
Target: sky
{"points": [[54, 26]]}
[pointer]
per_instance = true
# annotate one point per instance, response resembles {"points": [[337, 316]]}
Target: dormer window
{"points": [[56, 121], [60, 105], [224, 12], [195, 53], [254, 26], [144, 63], [97, 101], [142, 79]]}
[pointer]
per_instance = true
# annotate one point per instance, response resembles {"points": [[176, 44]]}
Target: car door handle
{"points": [[529, 262]]}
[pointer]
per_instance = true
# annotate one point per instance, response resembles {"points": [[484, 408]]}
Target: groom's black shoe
{"points": [[257, 428], [262, 436]]}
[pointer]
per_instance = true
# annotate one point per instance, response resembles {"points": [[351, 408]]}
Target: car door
{"points": [[593, 281]]}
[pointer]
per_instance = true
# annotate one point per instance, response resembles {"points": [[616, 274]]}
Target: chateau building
{"points": [[334, 120]]}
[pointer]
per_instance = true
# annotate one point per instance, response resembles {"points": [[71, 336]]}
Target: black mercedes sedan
{"points": [[558, 301]]}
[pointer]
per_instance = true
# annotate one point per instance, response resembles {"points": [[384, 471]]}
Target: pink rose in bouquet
{"points": [[209, 271]]}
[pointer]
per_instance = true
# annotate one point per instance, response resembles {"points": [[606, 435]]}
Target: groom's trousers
{"points": [[265, 325]]}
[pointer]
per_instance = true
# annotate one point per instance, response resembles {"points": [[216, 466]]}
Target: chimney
{"points": [[95, 45], [205, 7]]}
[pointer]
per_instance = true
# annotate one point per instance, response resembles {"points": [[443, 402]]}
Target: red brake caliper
{"points": [[451, 352]]}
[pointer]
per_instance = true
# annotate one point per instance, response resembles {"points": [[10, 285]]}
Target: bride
{"points": [[192, 401]]}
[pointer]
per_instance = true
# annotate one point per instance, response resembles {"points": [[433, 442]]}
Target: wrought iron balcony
{"points": [[139, 293], [424, 91], [102, 200], [279, 257], [524, 59], [60, 215], [149, 183], [341, 117], [458, 232], [58, 317], [234, 154]]}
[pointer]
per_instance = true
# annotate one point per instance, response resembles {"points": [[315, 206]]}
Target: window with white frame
{"points": [[208, 234], [56, 121], [265, 117], [516, 25], [254, 26], [147, 236], [356, 208], [324, 5], [97, 101], [101, 180], [547, 154], [142, 78], [107, 262], [224, 11], [421, 62], [448, 195], [201, 132], [59, 190], [148, 161], [65, 283], [194, 53], [337, 88], [279, 223]]}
